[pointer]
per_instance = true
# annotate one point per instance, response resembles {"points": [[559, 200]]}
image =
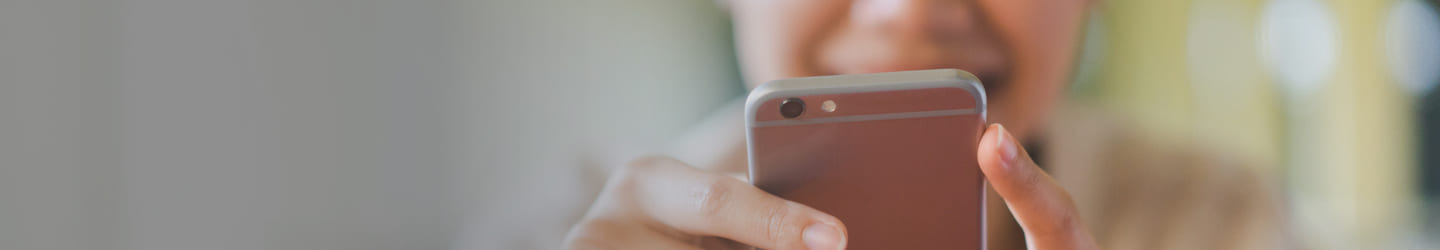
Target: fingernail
{"points": [[821, 236], [1008, 150]]}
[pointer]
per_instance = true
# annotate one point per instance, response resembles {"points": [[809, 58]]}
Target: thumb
{"points": [[1043, 208]]}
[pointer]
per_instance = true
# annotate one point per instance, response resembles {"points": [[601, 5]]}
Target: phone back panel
{"points": [[896, 163]]}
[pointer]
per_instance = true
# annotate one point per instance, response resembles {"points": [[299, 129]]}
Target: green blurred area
{"points": [[1343, 148]]}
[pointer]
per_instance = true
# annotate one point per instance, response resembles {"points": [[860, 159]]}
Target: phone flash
{"points": [[828, 106]]}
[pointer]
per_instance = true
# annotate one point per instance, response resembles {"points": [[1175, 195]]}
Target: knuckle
{"points": [[711, 196], [1063, 225], [779, 224], [1031, 181], [1069, 217]]}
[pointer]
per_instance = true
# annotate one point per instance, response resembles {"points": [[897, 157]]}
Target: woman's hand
{"points": [[1043, 209], [661, 203]]}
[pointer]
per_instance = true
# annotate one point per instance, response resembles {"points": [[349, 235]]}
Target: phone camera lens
{"points": [[791, 108]]}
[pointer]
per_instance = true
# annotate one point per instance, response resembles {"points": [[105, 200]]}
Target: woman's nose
{"points": [[932, 19]]}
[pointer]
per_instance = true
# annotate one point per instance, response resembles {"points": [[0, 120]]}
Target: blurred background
{"points": [[372, 124]]}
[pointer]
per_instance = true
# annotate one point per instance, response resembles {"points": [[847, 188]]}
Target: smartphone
{"points": [[892, 155]]}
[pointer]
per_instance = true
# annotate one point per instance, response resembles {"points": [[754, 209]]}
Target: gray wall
{"points": [[332, 124]]}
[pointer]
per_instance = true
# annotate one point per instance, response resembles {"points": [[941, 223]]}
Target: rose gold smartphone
{"points": [[891, 154]]}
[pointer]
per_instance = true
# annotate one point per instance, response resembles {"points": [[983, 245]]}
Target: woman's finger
{"points": [[702, 203], [609, 234], [1043, 209]]}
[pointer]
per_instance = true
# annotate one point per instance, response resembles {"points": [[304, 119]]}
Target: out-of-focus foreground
{"points": [[370, 124]]}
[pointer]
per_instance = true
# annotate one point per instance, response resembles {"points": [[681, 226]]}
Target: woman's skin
{"points": [[1021, 50]]}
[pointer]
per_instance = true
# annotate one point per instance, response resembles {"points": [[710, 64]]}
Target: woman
{"points": [[1129, 193]]}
